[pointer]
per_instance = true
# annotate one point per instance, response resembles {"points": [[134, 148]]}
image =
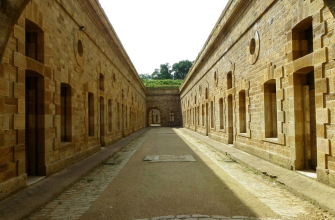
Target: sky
{"points": [[155, 32]]}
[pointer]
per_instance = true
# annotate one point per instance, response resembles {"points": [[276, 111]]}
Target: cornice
{"points": [[233, 11], [98, 15]]}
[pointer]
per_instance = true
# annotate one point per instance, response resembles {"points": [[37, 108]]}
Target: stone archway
{"points": [[154, 117]]}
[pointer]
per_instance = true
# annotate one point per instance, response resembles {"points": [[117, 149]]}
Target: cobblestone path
{"points": [[75, 201], [78, 199]]}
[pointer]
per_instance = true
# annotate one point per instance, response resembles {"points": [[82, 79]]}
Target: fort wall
{"points": [[68, 88], [167, 102], [264, 83]]}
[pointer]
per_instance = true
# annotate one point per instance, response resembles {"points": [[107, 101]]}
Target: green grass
{"points": [[162, 83]]}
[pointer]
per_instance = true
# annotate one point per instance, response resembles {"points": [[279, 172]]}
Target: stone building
{"points": [[264, 82], [67, 88], [163, 107]]}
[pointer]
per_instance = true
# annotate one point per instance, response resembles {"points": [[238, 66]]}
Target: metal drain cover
{"points": [[169, 158]]}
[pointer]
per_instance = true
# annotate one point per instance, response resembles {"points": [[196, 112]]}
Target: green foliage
{"points": [[181, 69], [163, 73], [157, 83], [145, 76], [167, 77]]}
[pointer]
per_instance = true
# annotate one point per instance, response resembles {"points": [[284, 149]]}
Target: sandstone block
{"points": [[322, 115], [19, 90], [19, 153], [4, 85], [20, 60], [19, 33], [316, 6], [323, 145], [20, 136], [19, 121], [321, 85], [35, 66], [303, 62], [320, 56]]}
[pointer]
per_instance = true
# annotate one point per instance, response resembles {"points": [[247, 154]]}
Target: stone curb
{"points": [[203, 217]]}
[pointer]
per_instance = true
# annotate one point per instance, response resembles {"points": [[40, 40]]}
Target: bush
{"points": [[162, 82]]}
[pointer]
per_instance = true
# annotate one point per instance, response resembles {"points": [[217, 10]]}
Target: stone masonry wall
{"points": [[64, 92], [167, 101], [264, 82]]}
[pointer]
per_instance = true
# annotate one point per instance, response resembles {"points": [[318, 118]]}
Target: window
{"points": [[302, 38], [242, 112], [198, 114], [229, 80], [270, 109], [118, 116], [110, 115], [66, 113], [126, 115], [221, 112], [171, 117], [101, 82], [34, 41], [203, 115], [90, 114], [212, 114]]}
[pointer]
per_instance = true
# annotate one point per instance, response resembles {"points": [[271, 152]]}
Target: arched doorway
{"points": [[154, 117]]}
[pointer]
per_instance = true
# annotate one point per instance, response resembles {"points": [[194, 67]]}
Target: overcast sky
{"points": [[155, 32]]}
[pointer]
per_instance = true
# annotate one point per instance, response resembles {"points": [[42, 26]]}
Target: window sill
{"points": [[243, 134], [271, 140], [65, 144]]}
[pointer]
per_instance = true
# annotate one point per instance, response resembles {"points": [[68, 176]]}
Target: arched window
{"points": [[302, 38], [34, 41]]}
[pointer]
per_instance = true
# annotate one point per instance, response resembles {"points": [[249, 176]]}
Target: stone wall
{"points": [[264, 82], [66, 90], [167, 101]]}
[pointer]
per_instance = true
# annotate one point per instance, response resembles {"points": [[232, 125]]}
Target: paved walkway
{"points": [[313, 191], [128, 186], [30, 199]]}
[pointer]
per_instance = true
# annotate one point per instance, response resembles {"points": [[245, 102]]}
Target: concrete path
{"points": [[149, 189], [165, 173], [313, 191], [30, 199]]}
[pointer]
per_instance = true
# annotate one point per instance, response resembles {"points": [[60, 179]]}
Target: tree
{"points": [[163, 73], [181, 69], [145, 76]]}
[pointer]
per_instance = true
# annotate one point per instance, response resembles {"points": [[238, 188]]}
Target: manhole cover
{"points": [[169, 158]]}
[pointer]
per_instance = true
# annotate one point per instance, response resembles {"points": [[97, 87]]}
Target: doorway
{"points": [[207, 121], [305, 120], [154, 117], [230, 120], [102, 122], [34, 124]]}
